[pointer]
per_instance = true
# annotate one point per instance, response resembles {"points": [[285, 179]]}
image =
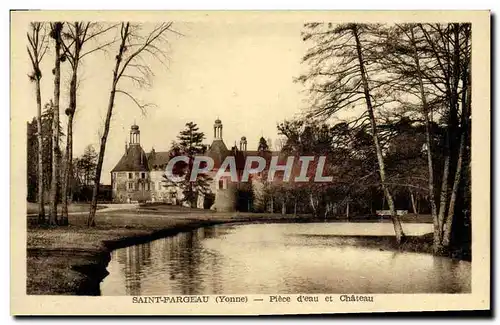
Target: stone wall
{"points": [[134, 189], [152, 189], [225, 196], [161, 193]]}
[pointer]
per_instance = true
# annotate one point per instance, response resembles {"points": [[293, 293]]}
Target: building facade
{"points": [[139, 176]]}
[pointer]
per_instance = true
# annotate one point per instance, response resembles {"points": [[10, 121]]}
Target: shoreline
{"points": [[56, 269], [73, 260]]}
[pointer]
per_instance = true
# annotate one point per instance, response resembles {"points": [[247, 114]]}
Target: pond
{"points": [[282, 258]]}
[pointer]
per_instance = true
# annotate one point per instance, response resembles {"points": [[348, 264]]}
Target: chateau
{"points": [[139, 176]]}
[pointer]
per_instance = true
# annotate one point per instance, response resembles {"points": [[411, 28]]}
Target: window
{"points": [[130, 176], [130, 185], [143, 175], [152, 186], [221, 183]]}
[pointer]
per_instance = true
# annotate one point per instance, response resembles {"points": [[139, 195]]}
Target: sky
{"points": [[241, 72]]}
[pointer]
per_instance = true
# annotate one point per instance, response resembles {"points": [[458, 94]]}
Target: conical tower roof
{"points": [[134, 160]]}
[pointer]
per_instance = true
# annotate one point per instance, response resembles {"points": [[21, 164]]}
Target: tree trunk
{"points": [[313, 206], [41, 203], [466, 100], [414, 206], [428, 140], [283, 207], [295, 207], [398, 229], [450, 136], [56, 152], [451, 208], [67, 171], [347, 211], [109, 114], [69, 141], [100, 159]]}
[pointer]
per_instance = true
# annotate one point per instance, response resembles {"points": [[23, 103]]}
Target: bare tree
{"points": [[344, 64], [431, 62], [55, 33], [76, 35], [37, 47], [136, 47], [466, 96]]}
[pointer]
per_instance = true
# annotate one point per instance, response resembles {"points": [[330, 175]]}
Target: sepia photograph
{"points": [[316, 162]]}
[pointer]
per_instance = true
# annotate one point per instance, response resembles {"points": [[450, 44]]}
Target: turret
{"points": [[135, 135], [243, 144], [218, 129]]}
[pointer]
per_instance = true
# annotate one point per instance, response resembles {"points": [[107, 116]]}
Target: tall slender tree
{"points": [[37, 47], [56, 34], [466, 97], [136, 47], [429, 64], [75, 37], [343, 68]]}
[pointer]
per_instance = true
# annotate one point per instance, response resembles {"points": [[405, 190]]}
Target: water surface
{"points": [[280, 258]]}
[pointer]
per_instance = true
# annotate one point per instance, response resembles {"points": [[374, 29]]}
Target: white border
{"points": [[255, 4]]}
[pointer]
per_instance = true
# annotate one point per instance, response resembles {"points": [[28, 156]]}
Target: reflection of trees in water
{"points": [[188, 263], [133, 259], [213, 274], [194, 268], [451, 276], [179, 264]]}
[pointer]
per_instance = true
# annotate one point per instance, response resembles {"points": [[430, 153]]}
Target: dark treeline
{"points": [[391, 108], [83, 167]]}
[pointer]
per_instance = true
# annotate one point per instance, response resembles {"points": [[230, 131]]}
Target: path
{"points": [[108, 208]]}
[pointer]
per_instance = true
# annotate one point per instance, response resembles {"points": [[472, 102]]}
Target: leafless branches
{"points": [[137, 49], [37, 47], [142, 106]]}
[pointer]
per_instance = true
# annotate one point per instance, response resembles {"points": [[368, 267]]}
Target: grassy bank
{"points": [[72, 260]]}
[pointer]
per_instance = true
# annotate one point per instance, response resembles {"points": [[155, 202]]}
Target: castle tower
{"points": [[218, 129], [135, 135], [130, 177]]}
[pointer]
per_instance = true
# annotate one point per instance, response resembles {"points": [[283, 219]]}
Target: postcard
{"points": [[249, 162]]}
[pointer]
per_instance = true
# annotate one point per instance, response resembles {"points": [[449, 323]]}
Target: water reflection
{"points": [[278, 258]]}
